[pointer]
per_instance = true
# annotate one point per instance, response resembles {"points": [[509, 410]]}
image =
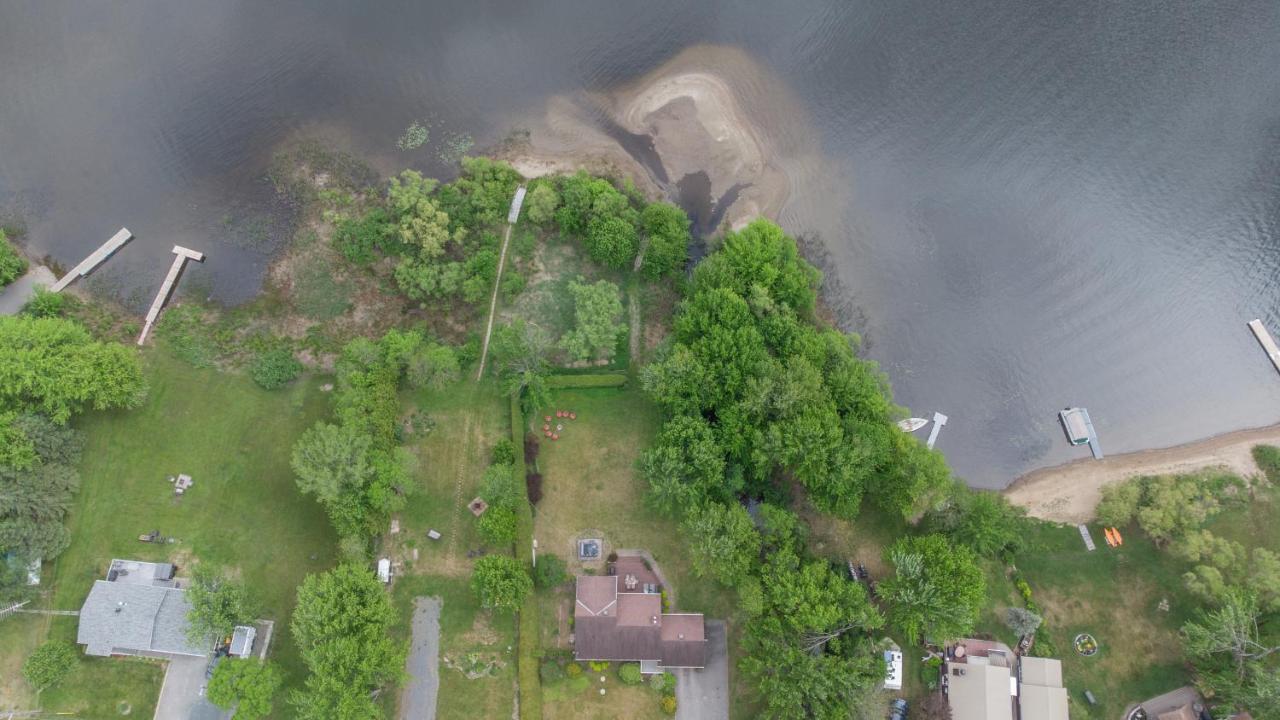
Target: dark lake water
{"points": [[1036, 204]]}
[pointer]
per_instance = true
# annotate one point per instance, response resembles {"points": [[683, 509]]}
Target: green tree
{"points": [[795, 683], [936, 591], [685, 467], [50, 664], [667, 228], [247, 684], [725, 544], [542, 203], [420, 223], [498, 526], [597, 313], [1022, 621], [341, 626], [53, 366], [1173, 505], [335, 463], [1232, 653], [434, 366], [612, 242], [12, 264], [500, 582], [217, 604], [984, 521]]}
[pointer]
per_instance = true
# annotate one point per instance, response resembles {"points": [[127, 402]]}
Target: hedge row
{"points": [[597, 380], [530, 685]]}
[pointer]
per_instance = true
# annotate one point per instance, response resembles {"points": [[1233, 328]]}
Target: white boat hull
{"points": [[912, 424]]}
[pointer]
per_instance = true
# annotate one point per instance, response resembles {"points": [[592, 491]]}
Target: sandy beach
{"points": [[1070, 493]]}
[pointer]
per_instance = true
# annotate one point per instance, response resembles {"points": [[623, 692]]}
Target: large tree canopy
{"points": [[936, 591], [781, 397]]}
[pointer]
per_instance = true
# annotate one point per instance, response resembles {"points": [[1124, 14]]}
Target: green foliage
{"points": [[358, 239], [549, 572], [504, 452], [667, 228], [982, 520], [1268, 459], [274, 368], [50, 664], [724, 542], [668, 704], [341, 626], [217, 603], [612, 242], [53, 366], [663, 682], [1166, 507], [498, 525], [500, 582], [686, 466], [629, 674], [319, 292], [794, 683], [540, 205], [12, 264], [1233, 656], [482, 194], [1223, 566], [586, 200], [187, 330], [597, 311], [1119, 503], [573, 670], [936, 591], [434, 366], [1022, 622], [419, 222], [247, 684], [550, 671], [598, 665], [46, 304]]}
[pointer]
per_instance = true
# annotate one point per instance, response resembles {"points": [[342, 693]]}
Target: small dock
{"points": [[938, 421], [1266, 341], [1079, 428], [166, 288], [96, 258], [1088, 539]]}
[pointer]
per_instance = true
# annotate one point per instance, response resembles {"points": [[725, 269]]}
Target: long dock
{"points": [[938, 421], [96, 258], [1266, 341], [1094, 446], [166, 288]]}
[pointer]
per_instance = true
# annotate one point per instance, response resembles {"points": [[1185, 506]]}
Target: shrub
{"points": [[573, 670], [504, 453], [274, 368], [549, 572], [357, 239], [1268, 459], [662, 682], [12, 264], [551, 671], [435, 366], [45, 304], [498, 526], [530, 448], [500, 582], [599, 666], [49, 665], [629, 673], [669, 704]]}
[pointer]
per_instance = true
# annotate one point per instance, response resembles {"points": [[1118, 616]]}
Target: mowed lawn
{"points": [[244, 513], [590, 482], [465, 421]]}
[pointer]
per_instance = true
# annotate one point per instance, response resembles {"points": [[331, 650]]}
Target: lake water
{"points": [[1036, 204]]}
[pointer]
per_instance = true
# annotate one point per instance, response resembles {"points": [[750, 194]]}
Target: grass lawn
{"points": [[466, 420], [580, 699], [244, 513], [1114, 595], [590, 482]]}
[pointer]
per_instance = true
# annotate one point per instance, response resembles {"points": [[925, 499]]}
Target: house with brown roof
{"points": [[619, 618]]}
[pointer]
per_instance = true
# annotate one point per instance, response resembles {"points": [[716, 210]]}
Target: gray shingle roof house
{"points": [[610, 624], [138, 612]]}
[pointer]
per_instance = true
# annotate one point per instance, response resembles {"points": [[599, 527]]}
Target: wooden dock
{"points": [[1094, 446], [938, 421], [96, 258], [166, 288], [1266, 341], [1088, 539]]}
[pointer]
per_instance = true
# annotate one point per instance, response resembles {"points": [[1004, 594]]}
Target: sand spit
{"points": [[1070, 493], [710, 109]]}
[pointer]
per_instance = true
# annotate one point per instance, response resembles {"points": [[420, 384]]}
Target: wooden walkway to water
{"points": [[938, 421], [1266, 341], [96, 258], [512, 216], [183, 255]]}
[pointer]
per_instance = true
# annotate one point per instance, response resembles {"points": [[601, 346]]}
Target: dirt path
{"points": [[633, 311], [493, 300], [1070, 493]]}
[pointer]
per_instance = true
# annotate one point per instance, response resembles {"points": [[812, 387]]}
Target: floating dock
{"points": [[1079, 428], [1266, 341], [96, 258], [183, 255], [938, 421]]}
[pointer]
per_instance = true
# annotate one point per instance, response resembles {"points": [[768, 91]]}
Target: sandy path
{"points": [[1070, 493]]}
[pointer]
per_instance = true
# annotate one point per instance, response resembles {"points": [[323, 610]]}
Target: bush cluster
{"points": [[274, 368]]}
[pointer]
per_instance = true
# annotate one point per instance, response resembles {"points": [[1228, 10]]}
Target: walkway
{"points": [[18, 293], [418, 697], [512, 216]]}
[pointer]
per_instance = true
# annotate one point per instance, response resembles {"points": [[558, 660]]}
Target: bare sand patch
{"points": [[1070, 492]]}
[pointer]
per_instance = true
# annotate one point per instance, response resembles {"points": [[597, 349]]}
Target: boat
{"points": [[1075, 421], [912, 424], [1115, 532]]}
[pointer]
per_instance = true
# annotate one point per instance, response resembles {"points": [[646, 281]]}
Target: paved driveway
{"points": [[418, 698], [182, 696], [704, 694]]}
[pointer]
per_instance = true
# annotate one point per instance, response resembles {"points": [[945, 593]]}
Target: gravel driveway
{"points": [[704, 694], [418, 699]]}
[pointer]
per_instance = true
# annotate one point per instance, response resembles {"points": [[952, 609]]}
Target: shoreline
{"points": [[1070, 492]]}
